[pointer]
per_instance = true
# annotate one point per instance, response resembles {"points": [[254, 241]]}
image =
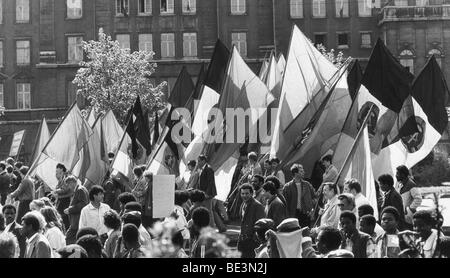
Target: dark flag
{"points": [[216, 73], [182, 89], [354, 78]]}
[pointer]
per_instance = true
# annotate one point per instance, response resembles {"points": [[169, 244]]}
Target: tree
{"points": [[112, 78], [338, 59]]}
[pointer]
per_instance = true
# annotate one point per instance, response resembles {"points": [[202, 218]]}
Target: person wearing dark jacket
{"points": [[391, 197], [275, 209], [79, 201], [250, 212], [10, 211], [207, 184], [5, 182], [359, 243], [24, 193]]}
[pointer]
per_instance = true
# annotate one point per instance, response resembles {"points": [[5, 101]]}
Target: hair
{"points": [[2, 165], [51, 217], [143, 167], [425, 215], [366, 210], [200, 217], [138, 171], [132, 218], [348, 214], [354, 184], [328, 158], [92, 245], [9, 207], [24, 170], [202, 158], [259, 177], [295, 169], [386, 179], [270, 187], [133, 206], [177, 239], [331, 186], [181, 197], [393, 211], [252, 156], [370, 219], [86, 231], [246, 186], [349, 197], [46, 201], [275, 159], [2, 222], [275, 181], [95, 190], [126, 197], [332, 236], [111, 155], [38, 203], [62, 167], [8, 245], [10, 161], [267, 161], [444, 246], [9, 169], [197, 196], [112, 220], [262, 229], [192, 163], [403, 170], [130, 233], [32, 219], [71, 179]]}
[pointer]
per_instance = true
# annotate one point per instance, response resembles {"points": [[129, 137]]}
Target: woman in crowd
{"points": [[53, 229]]}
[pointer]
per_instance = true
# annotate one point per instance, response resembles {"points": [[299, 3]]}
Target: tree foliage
{"points": [[337, 60], [112, 78]]}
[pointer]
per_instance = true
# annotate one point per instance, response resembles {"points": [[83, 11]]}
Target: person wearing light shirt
{"points": [[92, 214], [354, 187], [331, 212]]}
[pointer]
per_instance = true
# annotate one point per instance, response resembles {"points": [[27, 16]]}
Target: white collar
{"points": [[29, 240]]}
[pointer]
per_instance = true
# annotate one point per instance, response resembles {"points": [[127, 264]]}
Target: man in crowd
{"points": [[331, 171], [194, 175], [79, 201], [278, 186], [92, 245], [5, 182], [130, 236], [253, 168], [360, 244], [92, 214], [329, 241], [300, 197], [274, 163], [388, 244], [411, 196], [8, 246], [391, 197], [367, 210], [423, 225], [367, 225], [250, 212], [63, 193], [207, 184], [347, 202], [331, 212], [200, 221], [275, 209], [354, 187], [261, 227], [257, 182], [9, 211], [24, 193], [37, 244], [125, 198]]}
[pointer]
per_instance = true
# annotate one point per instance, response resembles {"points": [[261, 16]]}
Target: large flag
{"points": [[354, 78], [122, 165], [42, 138], [216, 73], [182, 90], [64, 147], [111, 133], [197, 92], [306, 83], [141, 142], [242, 89], [322, 133], [429, 94]]}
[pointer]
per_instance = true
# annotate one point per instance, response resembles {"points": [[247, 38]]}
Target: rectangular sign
{"points": [[163, 196], [16, 142]]}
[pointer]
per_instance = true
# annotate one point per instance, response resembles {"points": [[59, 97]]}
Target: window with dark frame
{"points": [[320, 39], [145, 7], [122, 7], [343, 40]]}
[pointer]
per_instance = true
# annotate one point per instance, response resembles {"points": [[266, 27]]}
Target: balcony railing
{"points": [[396, 13]]}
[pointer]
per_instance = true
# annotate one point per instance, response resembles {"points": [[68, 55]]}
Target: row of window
{"points": [[341, 8], [343, 39], [23, 91], [22, 53]]}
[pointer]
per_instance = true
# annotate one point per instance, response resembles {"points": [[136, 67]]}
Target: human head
{"points": [[297, 171], [37, 205], [197, 196], [71, 181], [9, 169], [138, 172], [86, 231], [200, 218], [386, 182], [133, 206], [257, 181], [133, 217], [365, 210], [9, 211], [8, 246], [330, 190], [346, 202], [191, 165], [92, 245], [274, 163], [130, 236], [181, 197], [275, 181], [328, 239], [327, 160], [148, 175], [60, 171], [23, 170], [352, 186], [201, 161], [390, 219], [252, 157], [125, 198], [367, 224], [348, 222], [51, 215], [2, 166], [269, 190], [246, 191], [32, 223], [112, 220], [96, 194], [73, 251], [444, 247], [423, 223], [267, 164], [261, 227], [402, 174], [10, 161]]}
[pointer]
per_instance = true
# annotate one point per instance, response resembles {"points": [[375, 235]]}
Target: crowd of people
{"points": [[277, 219]]}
